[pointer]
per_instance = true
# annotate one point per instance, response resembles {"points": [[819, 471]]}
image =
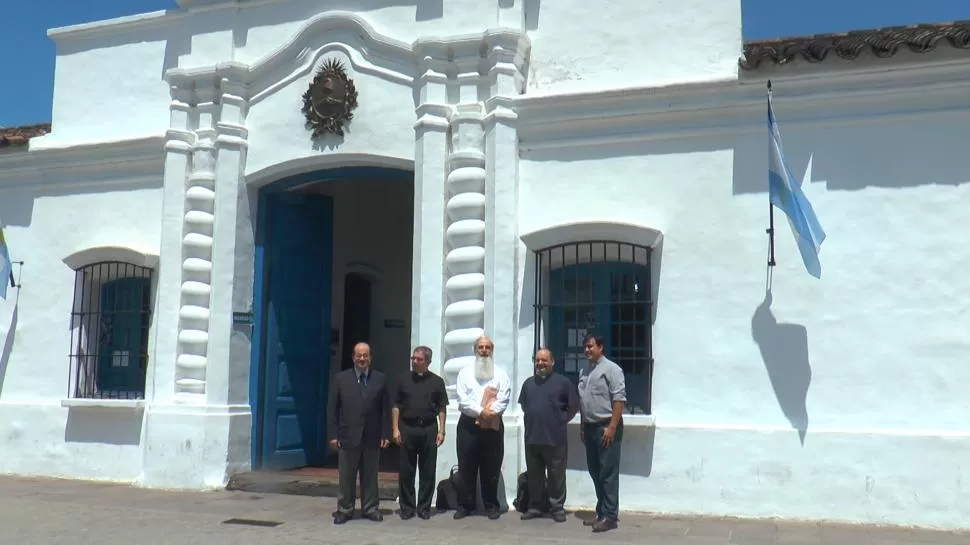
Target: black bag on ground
{"points": [[448, 491], [521, 502]]}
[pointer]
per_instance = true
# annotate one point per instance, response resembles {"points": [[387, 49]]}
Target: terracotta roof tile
{"points": [[20, 136], [882, 42]]}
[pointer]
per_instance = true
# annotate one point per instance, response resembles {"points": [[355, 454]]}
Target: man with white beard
{"points": [[483, 395]]}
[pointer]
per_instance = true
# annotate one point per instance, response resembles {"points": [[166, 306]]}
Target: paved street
{"points": [[47, 512]]}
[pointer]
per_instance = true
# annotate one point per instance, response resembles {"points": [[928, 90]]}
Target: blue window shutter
{"points": [[123, 337]]}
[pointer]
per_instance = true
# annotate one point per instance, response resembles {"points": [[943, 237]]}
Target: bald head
{"points": [[362, 356], [544, 362]]}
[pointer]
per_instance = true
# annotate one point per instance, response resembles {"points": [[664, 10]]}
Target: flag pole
{"points": [[771, 211]]}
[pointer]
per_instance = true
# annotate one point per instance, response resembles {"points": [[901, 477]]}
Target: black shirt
{"points": [[420, 397], [547, 404]]}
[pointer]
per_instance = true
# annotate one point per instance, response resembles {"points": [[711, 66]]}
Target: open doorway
{"points": [[358, 290], [333, 268]]}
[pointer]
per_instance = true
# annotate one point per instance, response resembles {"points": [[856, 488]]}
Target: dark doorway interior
{"points": [[357, 315]]}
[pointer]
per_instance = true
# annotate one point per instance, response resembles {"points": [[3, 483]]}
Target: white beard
{"points": [[484, 368]]}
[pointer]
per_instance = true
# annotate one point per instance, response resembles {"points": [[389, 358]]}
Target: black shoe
{"points": [[493, 514], [592, 521], [340, 518], [460, 514], [406, 515], [530, 514], [424, 515], [375, 516], [559, 517], [604, 525]]}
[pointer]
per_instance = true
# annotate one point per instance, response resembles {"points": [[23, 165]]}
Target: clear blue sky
{"points": [[27, 66]]}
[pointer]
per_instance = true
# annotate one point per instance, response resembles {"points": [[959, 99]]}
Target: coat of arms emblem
{"points": [[330, 101]]}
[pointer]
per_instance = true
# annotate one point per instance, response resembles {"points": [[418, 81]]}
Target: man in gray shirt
{"points": [[602, 396]]}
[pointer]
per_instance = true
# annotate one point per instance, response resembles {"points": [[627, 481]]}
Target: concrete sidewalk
{"points": [[51, 512]]}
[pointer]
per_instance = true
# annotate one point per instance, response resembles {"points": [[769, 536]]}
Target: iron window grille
{"points": [[109, 331], [602, 288]]}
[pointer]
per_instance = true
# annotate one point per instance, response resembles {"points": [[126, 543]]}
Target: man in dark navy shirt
{"points": [[549, 401], [418, 426]]}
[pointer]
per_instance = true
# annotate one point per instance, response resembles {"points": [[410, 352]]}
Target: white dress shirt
{"points": [[470, 391]]}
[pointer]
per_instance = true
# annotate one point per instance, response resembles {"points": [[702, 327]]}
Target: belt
{"points": [[604, 422], [419, 421]]}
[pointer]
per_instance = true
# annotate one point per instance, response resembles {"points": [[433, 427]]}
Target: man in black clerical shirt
{"points": [[418, 426], [549, 401]]}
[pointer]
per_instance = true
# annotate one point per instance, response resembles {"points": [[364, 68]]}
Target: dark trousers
{"points": [[354, 463], [419, 454], [480, 454], [545, 468], [604, 468]]}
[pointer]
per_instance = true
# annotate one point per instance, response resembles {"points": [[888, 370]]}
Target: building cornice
{"points": [[737, 105], [129, 163]]}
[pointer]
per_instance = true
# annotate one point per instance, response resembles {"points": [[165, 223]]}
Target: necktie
{"points": [[362, 379]]}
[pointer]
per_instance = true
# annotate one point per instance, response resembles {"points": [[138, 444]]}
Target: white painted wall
{"points": [[53, 206], [582, 46], [866, 360]]}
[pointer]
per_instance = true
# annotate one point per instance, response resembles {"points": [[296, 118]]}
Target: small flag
{"points": [[785, 192], [6, 267]]}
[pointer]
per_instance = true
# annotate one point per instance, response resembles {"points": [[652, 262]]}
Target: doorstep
{"points": [[307, 481]]}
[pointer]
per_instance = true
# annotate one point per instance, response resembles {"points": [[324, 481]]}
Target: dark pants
{"points": [[604, 468], [419, 454], [351, 463], [480, 454], [545, 468]]}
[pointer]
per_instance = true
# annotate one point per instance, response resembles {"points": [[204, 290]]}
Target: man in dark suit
{"points": [[360, 425]]}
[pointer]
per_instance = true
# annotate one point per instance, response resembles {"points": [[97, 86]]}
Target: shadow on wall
{"points": [[10, 331], [636, 456], [784, 350], [847, 157], [531, 9], [17, 205], [853, 157], [93, 425]]}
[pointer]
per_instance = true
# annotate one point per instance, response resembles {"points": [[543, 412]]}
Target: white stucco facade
{"points": [[525, 125]]}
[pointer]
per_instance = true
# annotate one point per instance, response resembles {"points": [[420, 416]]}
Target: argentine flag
{"points": [[785, 192], [6, 267]]}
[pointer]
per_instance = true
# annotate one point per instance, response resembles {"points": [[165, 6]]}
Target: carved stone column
{"points": [[464, 312], [505, 62], [196, 428], [431, 151], [196, 288], [179, 140], [232, 201]]}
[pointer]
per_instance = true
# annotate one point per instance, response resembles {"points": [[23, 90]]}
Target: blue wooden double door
{"points": [[292, 329]]}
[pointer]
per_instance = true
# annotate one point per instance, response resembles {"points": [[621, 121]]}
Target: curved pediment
{"points": [[100, 254], [580, 231], [368, 51]]}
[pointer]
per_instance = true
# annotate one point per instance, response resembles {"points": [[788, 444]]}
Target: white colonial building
{"points": [[197, 258]]}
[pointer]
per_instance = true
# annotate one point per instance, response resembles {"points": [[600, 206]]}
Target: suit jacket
{"points": [[359, 417]]}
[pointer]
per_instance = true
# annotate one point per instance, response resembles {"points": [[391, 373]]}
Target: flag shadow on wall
{"points": [[7, 346], [784, 350]]}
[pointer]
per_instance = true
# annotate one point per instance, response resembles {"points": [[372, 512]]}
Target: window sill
{"points": [[635, 420], [81, 403]]}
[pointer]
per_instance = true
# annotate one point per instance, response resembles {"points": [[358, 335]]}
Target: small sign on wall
{"points": [[242, 318], [395, 324]]}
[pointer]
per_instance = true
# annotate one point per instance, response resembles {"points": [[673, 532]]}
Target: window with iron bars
{"points": [[601, 288], [109, 331]]}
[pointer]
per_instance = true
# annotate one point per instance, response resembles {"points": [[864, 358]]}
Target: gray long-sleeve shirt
{"points": [[600, 384]]}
